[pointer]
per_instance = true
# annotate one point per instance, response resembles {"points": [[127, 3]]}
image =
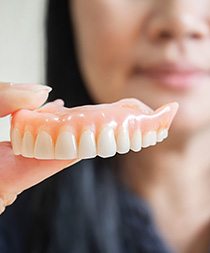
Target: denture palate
{"points": [[56, 132]]}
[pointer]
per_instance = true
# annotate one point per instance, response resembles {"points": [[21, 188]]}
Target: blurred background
{"points": [[21, 45]]}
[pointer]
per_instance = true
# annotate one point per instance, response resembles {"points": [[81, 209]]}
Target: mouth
{"points": [[173, 76]]}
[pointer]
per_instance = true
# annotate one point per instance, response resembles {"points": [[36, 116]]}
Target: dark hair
{"points": [[63, 72], [75, 210], [80, 210]]}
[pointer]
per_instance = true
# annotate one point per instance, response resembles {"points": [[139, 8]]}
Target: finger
{"points": [[19, 96], [18, 173]]}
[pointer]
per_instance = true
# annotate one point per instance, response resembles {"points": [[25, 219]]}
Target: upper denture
{"points": [[56, 132]]}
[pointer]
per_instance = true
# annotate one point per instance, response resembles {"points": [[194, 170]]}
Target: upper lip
{"points": [[171, 68]]}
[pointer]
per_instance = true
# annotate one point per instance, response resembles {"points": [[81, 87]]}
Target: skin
{"points": [[113, 36], [16, 172]]}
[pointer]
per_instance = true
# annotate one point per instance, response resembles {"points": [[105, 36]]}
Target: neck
{"points": [[174, 177]]}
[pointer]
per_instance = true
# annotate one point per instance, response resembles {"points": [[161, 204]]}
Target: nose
{"points": [[173, 24]]}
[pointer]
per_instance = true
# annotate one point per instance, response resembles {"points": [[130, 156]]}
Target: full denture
{"points": [[56, 132]]}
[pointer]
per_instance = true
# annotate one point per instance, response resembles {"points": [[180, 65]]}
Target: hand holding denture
{"points": [[52, 137], [18, 173]]}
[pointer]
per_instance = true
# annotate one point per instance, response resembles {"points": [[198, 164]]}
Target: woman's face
{"points": [[155, 50]]}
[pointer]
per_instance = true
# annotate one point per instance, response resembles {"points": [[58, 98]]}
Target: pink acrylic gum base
{"points": [[54, 118]]}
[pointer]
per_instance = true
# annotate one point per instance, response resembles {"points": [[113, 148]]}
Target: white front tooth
{"points": [[66, 147], [43, 148], [16, 141], [136, 141], [87, 145], [149, 139], [123, 140], [162, 134], [106, 145], [27, 149]]}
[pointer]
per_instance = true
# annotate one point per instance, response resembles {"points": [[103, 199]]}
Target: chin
{"points": [[188, 124]]}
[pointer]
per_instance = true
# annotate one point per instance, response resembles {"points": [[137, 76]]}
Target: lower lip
{"points": [[176, 80]]}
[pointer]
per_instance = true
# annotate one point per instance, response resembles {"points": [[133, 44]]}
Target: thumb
{"points": [[18, 96], [18, 173]]}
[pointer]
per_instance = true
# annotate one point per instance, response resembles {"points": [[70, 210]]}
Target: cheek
{"points": [[193, 114], [101, 28], [106, 37], [102, 44]]}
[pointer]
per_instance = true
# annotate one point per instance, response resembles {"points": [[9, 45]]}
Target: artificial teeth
{"points": [[16, 141], [106, 144], [162, 134], [87, 145], [136, 140], [149, 139], [123, 140], [43, 146], [66, 147], [27, 149]]}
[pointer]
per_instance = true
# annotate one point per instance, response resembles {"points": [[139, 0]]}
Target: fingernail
{"points": [[27, 87], [31, 87]]}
